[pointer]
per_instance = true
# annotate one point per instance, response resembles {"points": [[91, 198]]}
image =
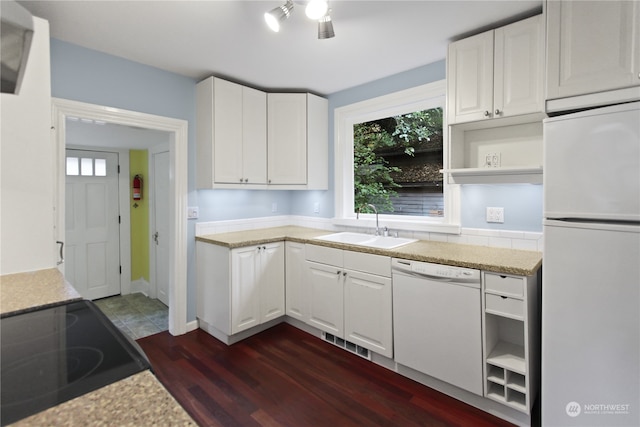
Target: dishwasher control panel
{"points": [[436, 270]]}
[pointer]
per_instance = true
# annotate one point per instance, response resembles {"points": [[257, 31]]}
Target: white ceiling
{"points": [[374, 39]]}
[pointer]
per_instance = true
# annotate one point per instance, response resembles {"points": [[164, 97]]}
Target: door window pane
{"points": [[101, 167], [86, 167], [72, 166]]}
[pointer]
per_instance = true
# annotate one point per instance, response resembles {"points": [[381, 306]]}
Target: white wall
{"points": [[27, 175]]}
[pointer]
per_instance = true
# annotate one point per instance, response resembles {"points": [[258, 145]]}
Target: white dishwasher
{"points": [[437, 321]]}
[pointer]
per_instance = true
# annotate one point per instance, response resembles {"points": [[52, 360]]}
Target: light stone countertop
{"points": [[138, 400], [498, 260], [23, 292]]}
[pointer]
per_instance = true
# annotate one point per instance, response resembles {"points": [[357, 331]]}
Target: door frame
{"points": [[152, 216], [178, 164]]}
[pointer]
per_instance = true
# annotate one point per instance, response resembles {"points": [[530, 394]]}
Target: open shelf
{"points": [[514, 174], [509, 356]]}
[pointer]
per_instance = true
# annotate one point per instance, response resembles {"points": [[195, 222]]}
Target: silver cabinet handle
{"points": [[487, 113], [497, 112], [61, 260]]}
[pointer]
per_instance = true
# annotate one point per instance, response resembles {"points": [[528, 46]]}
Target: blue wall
{"points": [[86, 75], [89, 76]]}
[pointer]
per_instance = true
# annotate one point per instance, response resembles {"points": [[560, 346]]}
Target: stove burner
{"points": [[47, 373]]}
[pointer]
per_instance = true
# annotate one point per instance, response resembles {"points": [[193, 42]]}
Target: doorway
{"points": [[177, 234]]}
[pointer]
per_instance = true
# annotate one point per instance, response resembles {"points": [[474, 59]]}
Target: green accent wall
{"points": [[139, 165]]}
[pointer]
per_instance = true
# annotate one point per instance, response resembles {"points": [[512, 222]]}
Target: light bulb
{"points": [[316, 9]]}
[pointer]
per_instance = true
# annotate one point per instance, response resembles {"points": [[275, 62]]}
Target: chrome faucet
{"points": [[376, 211]]}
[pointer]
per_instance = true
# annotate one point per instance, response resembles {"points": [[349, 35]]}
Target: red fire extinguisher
{"points": [[137, 187]]}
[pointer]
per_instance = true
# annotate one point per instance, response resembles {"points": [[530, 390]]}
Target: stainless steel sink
{"points": [[361, 239]]}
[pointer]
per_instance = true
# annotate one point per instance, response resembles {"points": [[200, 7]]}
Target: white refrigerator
{"points": [[591, 268]]}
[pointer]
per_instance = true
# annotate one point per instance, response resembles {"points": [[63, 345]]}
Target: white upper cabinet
{"points": [[298, 134], [287, 158], [592, 46], [231, 134], [519, 68], [497, 73], [470, 78], [248, 139]]}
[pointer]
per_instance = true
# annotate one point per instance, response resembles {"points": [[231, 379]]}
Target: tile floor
{"points": [[136, 314]]}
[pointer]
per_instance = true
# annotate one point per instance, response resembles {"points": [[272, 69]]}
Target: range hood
{"points": [[16, 33]]}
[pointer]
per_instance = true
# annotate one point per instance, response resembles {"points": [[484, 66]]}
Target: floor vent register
{"points": [[347, 345]]}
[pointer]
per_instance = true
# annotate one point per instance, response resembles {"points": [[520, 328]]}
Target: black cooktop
{"points": [[57, 353]]}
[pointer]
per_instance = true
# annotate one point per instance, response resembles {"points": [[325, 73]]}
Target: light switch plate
{"points": [[193, 212]]}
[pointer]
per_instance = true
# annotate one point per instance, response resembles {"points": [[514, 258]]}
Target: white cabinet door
{"points": [[592, 46], [519, 68], [326, 298], [231, 135], [470, 78], [296, 285], [368, 311], [227, 132], [245, 292], [254, 136], [287, 138], [271, 281]]}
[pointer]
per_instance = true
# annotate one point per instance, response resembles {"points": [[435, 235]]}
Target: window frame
{"points": [[421, 97]]}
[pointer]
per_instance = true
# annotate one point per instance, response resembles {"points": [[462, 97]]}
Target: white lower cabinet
{"points": [[240, 288], [326, 297], [348, 302], [296, 299], [368, 311], [511, 337]]}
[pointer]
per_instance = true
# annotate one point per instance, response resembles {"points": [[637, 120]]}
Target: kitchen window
{"points": [[381, 142]]}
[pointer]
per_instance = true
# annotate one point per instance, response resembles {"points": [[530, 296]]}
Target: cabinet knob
{"points": [[338, 272], [241, 179], [246, 180], [497, 112], [487, 113]]}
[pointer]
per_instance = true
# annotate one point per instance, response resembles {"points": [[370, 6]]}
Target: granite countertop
{"points": [[23, 292], [134, 401], [498, 260], [139, 400]]}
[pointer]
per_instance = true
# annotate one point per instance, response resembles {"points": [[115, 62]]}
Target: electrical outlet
{"points": [[495, 160], [492, 160], [274, 207], [495, 215], [316, 207]]}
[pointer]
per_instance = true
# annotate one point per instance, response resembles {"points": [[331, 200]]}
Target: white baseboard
{"points": [[142, 286]]}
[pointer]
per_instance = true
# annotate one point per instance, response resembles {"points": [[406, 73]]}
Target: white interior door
{"points": [[92, 223], [160, 233]]}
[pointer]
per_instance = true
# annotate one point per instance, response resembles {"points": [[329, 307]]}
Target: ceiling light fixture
{"points": [[277, 15], [325, 28], [318, 10]]}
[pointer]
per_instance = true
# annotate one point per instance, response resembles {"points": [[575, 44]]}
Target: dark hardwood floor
{"points": [[286, 377]]}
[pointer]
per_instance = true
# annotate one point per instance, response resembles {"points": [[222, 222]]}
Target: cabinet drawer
{"points": [[368, 263], [504, 285], [324, 255], [504, 306]]}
